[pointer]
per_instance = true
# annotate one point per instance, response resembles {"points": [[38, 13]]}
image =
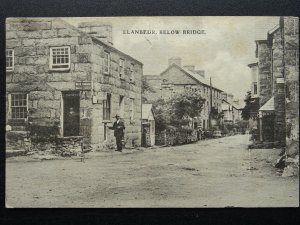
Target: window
{"points": [[9, 59], [19, 108], [121, 68], [132, 72], [60, 58], [107, 107], [255, 88], [106, 63], [121, 106], [131, 108]]}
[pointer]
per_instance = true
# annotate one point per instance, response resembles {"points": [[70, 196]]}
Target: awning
{"points": [[268, 108]]}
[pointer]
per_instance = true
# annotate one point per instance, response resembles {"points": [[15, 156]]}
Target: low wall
{"points": [[175, 137]]}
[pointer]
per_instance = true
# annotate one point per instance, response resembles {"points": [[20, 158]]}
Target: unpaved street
{"points": [[211, 173]]}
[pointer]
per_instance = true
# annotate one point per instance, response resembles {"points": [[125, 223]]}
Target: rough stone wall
{"points": [[112, 84], [264, 70], [31, 40], [278, 88], [291, 70]]}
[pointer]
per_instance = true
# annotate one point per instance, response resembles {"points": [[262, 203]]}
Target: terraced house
{"points": [[176, 78], [72, 78]]}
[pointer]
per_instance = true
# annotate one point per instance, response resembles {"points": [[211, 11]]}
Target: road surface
{"points": [[211, 173]]}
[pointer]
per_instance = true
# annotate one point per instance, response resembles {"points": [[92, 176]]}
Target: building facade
{"points": [[61, 75], [278, 82], [176, 78]]}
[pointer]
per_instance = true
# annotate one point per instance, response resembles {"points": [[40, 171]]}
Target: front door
{"points": [[71, 100]]}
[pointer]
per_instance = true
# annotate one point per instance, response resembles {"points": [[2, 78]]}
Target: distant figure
{"points": [[118, 128]]}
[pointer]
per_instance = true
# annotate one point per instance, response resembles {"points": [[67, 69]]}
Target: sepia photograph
{"points": [[152, 112]]}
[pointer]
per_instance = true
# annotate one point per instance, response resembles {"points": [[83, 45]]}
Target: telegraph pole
{"points": [[210, 108]]}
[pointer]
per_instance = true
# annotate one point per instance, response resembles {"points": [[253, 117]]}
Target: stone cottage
{"points": [[176, 78], [70, 78], [278, 82]]}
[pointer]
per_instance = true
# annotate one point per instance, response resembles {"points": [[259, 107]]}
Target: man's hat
{"points": [[117, 115]]}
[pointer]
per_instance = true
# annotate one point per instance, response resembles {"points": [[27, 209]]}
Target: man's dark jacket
{"points": [[118, 129]]}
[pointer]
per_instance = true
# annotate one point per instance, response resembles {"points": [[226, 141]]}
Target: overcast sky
{"points": [[223, 52]]}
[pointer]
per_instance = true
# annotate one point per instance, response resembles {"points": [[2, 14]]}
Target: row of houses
{"points": [[275, 84], [71, 81], [176, 78]]}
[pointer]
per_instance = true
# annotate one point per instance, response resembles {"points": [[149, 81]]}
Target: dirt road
{"points": [[211, 173]]}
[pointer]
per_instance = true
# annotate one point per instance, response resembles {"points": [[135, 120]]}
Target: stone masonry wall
{"points": [[278, 88], [31, 40], [291, 61], [264, 70], [112, 83]]}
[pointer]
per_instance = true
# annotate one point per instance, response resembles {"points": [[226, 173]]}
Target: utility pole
{"points": [[210, 108]]}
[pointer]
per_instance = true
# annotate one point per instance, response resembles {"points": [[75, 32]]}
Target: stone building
{"points": [[148, 123], [278, 82], [72, 78], [176, 78]]}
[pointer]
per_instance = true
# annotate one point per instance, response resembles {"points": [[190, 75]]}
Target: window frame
{"points": [[106, 64], [132, 77], [107, 108], [121, 106], [10, 69], [61, 64], [122, 68], [131, 109], [11, 106]]}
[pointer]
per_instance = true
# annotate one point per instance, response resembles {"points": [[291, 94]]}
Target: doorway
{"points": [[71, 117]]}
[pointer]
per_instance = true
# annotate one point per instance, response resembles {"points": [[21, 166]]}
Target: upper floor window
{"points": [[121, 68], [18, 106], [9, 59], [60, 58], [106, 63], [131, 72]]}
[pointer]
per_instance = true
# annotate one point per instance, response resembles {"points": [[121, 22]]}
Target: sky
{"points": [[224, 51]]}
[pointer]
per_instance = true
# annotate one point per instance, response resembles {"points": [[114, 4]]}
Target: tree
{"points": [[186, 104], [247, 109], [146, 89], [189, 103]]}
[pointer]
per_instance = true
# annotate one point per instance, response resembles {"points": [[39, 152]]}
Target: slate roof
{"points": [[193, 75]]}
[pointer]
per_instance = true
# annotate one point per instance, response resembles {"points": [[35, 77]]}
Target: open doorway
{"points": [[71, 117]]}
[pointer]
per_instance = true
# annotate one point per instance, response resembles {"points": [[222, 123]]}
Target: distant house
{"points": [[231, 112], [73, 77], [148, 123], [176, 78]]}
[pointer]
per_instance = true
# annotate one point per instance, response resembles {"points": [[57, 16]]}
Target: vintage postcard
{"points": [[110, 112]]}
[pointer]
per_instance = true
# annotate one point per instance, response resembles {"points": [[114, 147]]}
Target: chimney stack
{"points": [[175, 60], [98, 30], [189, 67]]}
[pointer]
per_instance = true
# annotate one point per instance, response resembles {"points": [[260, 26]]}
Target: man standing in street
{"points": [[118, 128]]}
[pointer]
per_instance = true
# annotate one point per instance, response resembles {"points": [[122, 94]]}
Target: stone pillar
{"points": [[279, 104]]}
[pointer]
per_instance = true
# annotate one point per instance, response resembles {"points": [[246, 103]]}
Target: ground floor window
{"points": [[19, 106]]}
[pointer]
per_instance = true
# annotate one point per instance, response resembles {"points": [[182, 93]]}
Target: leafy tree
{"points": [[247, 109], [146, 89], [189, 103]]}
